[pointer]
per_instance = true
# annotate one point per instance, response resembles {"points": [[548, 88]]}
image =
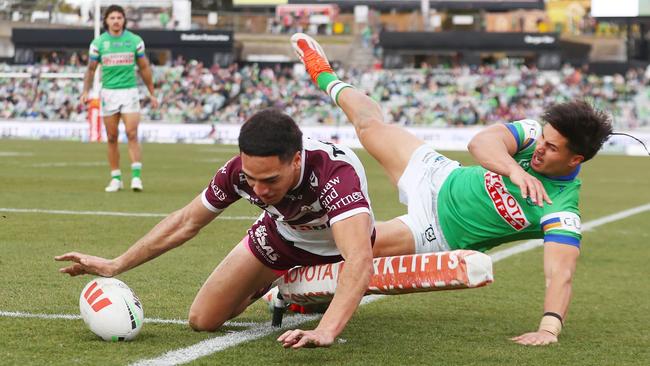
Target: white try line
{"points": [[20, 314], [65, 165], [213, 345], [220, 343], [108, 213]]}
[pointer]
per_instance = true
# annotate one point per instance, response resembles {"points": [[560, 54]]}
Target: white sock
{"points": [[334, 89]]}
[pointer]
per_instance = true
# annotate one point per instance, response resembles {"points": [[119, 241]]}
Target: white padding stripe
{"points": [[207, 204], [350, 213]]}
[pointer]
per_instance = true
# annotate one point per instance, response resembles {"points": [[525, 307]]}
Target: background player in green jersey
{"points": [[525, 187], [118, 50]]}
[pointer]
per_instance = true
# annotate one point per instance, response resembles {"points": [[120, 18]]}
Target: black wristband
{"points": [[555, 315]]}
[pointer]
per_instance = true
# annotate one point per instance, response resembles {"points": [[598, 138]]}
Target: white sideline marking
{"points": [[14, 153], [20, 314], [213, 345], [108, 213], [63, 165], [216, 344]]}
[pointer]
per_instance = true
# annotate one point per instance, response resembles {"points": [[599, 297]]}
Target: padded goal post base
{"points": [[396, 275]]}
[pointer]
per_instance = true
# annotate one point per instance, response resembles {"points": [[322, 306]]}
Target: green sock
{"points": [[136, 170], [324, 79], [116, 174]]}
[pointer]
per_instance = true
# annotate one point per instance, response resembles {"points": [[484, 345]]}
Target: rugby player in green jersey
{"points": [[118, 51], [526, 185]]}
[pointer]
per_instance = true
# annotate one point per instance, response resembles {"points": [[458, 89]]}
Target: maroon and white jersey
{"points": [[332, 187]]}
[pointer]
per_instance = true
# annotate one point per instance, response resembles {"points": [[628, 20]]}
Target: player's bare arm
{"points": [[559, 267], [147, 77], [352, 237], [494, 148], [88, 79], [171, 232]]}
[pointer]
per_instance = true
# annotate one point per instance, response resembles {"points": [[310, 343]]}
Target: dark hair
{"points": [[111, 9], [584, 127], [270, 133]]}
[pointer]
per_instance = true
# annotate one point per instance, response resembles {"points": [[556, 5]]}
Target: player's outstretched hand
{"points": [[87, 264], [530, 187], [539, 338], [298, 338]]}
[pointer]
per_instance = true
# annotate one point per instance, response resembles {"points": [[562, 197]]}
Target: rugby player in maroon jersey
{"points": [[315, 210]]}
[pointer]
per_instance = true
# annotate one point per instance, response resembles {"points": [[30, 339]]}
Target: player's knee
{"points": [[132, 135], [201, 323], [111, 139]]}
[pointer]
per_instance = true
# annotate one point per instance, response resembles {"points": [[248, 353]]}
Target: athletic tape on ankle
{"points": [[335, 88], [551, 324]]}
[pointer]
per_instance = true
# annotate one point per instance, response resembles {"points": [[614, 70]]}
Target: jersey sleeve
{"points": [[342, 196], [139, 48], [221, 193], [526, 132], [93, 51], [562, 227]]}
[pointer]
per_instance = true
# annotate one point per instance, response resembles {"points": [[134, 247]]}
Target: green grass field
{"points": [[608, 322]]}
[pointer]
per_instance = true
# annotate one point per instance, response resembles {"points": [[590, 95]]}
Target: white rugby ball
{"points": [[111, 309]]}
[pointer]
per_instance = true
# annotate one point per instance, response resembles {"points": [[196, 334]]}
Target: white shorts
{"points": [[120, 101], [418, 188]]}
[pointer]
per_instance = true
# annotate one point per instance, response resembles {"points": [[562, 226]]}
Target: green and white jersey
{"points": [[118, 55], [479, 209]]}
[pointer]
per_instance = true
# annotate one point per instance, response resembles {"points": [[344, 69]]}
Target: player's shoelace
{"points": [[314, 62]]}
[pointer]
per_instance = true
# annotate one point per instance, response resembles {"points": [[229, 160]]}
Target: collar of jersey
{"points": [[570, 176], [302, 169], [120, 35]]}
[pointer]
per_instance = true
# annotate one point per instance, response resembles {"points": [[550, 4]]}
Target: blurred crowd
{"points": [[438, 97]]}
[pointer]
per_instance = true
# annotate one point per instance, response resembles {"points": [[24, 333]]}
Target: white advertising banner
{"points": [[446, 139]]}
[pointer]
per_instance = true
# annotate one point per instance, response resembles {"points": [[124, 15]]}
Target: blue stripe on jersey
{"points": [[94, 58], [528, 143], [551, 220], [515, 133], [562, 239]]}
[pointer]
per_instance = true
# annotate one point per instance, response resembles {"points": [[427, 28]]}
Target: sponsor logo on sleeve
{"points": [[344, 201], [331, 198], [505, 203], [221, 195]]}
